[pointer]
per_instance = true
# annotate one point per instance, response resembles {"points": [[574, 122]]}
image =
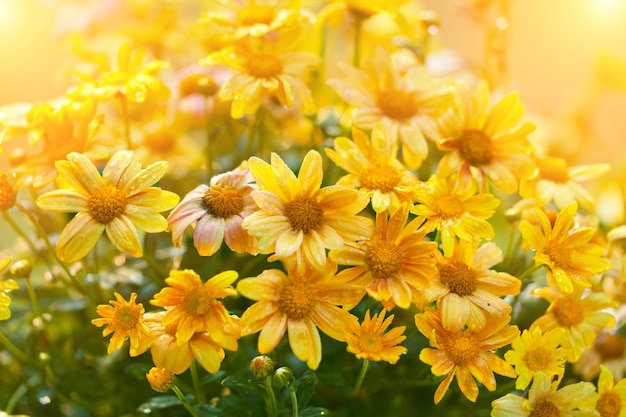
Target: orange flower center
{"points": [[475, 147], [382, 178], [106, 204], [553, 169], [304, 214], [222, 201], [255, 14], [447, 207], [460, 348], [370, 343], [127, 316], [294, 299], [197, 301], [609, 404], [537, 359], [609, 346], [396, 104], [559, 255], [567, 312], [458, 277], [545, 408], [7, 194], [264, 65], [383, 258], [162, 141]]}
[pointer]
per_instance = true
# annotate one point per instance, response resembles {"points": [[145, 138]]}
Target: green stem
{"points": [[356, 56], [20, 232], [360, 378], [529, 271], [125, 116], [253, 133], [33, 299], [200, 398], [184, 401], [272, 409], [13, 349], [509, 248], [294, 401]]}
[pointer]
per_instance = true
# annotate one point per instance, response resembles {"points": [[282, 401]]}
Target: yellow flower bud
{"points": [[160, 379]]}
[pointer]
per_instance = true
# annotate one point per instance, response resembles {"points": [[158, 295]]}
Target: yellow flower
{"points": [[6, 285], [610, 400], [544, 400], [394, 266], [483, 142], [337, 11], [580, 316], [160, 379], [373, 168], [609, 350], [465, 354], [567, 252], [124, 319], [467, 290], [8, 194], [298, 304], [297, 218], [369, 340], [118, 202], [195, 306], [556, 181], [454, 211], [404, 100], [536, 351]]}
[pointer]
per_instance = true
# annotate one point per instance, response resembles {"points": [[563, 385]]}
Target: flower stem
{"points": [[356, 56], [33, 299], [19, 231], [272, 409], [184, 401], [294, 401], [13, 349], [200, 398], [360, 378], [529, 271]]}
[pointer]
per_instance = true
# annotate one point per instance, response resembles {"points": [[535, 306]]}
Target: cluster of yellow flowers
{"points": [[407, 182]]}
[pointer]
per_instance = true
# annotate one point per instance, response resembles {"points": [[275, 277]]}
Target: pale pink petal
{"points": [[208, 235]]}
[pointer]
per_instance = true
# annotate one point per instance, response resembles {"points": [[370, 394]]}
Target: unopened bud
{"points": [[160, 379], [21, 269], [262, 366], [283, 376]]}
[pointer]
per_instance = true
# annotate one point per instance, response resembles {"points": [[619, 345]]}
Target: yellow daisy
{"points": [[564, 250], [454, 211], [195, 306], [369, 340], [118, 202], [535, 351], [467, 290], [160, 379], [580, 316], [610, 400], [297, 218], [394, 265], [373, 168], [483, 142], [124, 319], [465, 354], [298, 304]]}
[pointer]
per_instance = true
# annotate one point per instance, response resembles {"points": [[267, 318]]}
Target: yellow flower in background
{"points": [[298, 304], [555, 181], [454, 211], [6, 285], [466, 289], [580, 315], [124, 319], [337, 11], [370, 341], [564, 250], [299, 220], [160, 379], [118, 202], [484, 142], [8, 194], [535, 351], [373, 168], [610, 400], [465, 354], [395, 265], [544, 400], [195, 306]]}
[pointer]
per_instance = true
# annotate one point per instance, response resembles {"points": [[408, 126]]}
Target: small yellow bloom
{"points": [[369, 340], [160, 379], [8, 194], [6, 285], [610, 400]]}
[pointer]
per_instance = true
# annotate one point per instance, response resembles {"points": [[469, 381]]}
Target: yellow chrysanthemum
{"points": [[467, 290], [195, 306], [369, 340], [555, 181], [118, 202], [609, 349], [160, 379], [580, 316], [393, 266], [610, 400], [373, 168], [298, 304], [6, 285], [298, 219], [465, 354], [566, 252], [544, 400], [124, 319], [453, 211], [483, 142], [535, 351]]}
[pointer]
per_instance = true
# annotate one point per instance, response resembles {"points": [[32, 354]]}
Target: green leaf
{"points": [[210, 378], [305, 387], [242, 384], [158, 403], [206, 410], [315, 412]]}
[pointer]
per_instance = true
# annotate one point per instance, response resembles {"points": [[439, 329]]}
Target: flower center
{"points": [[264, 66], [382, 178], [197, 301], [222, 201], [559, 255], [475, 147], [609, 404], [255, 14], [106, 204], [545, 408], [304, 214], [609, 346], [162, 141], [448, 207], [537, 359], [383, 258], [7, 194], [396, 104], [553, 169], [567, 312], [127, 317], [294, 299], [460, 348], [458, 277], [370, 343]]}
